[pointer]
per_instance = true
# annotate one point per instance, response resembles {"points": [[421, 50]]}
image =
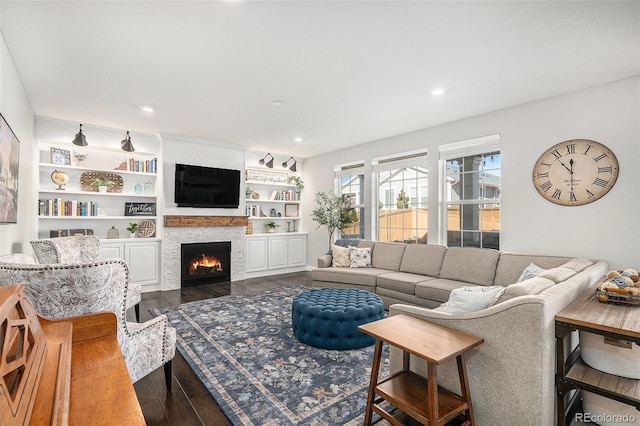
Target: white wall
{"points": [[16, 109], [606, 229]]}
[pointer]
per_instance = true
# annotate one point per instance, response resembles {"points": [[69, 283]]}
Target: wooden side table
{"points": [[609, 320], [426, 402]]}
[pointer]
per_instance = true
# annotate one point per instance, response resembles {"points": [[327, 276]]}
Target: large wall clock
{"points": [[575, 172]]}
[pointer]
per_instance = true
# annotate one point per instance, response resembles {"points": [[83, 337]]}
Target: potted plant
{"points": [[271, 226], [80, 157], [102, 184], [297, 181], [132, 229], [247, 192], [334, 211]]}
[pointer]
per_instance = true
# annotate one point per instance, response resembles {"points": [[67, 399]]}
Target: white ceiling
{"points": [[348, 72]]}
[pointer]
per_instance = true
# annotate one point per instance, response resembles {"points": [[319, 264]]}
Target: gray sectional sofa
{"points": [[512, 374]]}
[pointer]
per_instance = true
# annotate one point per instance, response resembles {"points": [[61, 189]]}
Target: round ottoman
{"points": [[328, 318]]}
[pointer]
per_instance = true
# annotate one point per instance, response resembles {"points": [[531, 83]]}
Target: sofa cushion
{"points": [[471, 299], [423, 259], [387, 256], [339, 256], [530, 271], [438, 289], [17, 258], [578, 264], [359, 276], [360, 257], [402, 282], [470, 264], [511, 265], [535, 285], [558, 274]]}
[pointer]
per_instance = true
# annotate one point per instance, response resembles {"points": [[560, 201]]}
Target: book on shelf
{"points": [[142, 166], [62, 208]]}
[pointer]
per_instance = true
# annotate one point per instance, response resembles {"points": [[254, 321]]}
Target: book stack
{"points": [[61, 208]]}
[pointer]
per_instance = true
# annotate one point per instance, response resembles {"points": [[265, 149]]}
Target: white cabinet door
{"points": [[110, 250], [256, 254], [278, 252], [142, 257], [143, 260], [297, 250]]}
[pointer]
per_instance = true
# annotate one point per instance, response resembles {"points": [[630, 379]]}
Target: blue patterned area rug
{"points": [[243, 350]]}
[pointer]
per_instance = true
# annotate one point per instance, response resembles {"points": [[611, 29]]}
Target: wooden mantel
{"points": [[204, 221]]}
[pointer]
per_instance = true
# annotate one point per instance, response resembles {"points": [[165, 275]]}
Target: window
{"points": [[350, 182], [471, 193], [402, 197]]}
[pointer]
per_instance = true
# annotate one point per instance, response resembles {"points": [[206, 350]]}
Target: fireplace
{"points": [[205, 263]]}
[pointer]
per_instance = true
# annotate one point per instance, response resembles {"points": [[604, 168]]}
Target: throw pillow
{"points": [[470, 299], [530, 271], [340, 256], [360, 257]]}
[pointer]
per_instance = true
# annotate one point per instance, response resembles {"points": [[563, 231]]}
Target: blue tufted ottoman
{"points": [[329, 317]]}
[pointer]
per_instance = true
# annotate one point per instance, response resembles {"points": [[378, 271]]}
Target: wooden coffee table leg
{"points": [[375, 368], [464, 387]]}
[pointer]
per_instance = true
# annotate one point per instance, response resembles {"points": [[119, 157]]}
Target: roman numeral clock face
{"points": [[575, 172]]}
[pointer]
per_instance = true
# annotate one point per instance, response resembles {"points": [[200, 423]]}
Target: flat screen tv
{"points": [[210, 187]]}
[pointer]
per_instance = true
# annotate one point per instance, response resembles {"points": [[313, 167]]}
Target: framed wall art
{"points": [[291, 210], [9, 161], [61, 157], [266, 176]]}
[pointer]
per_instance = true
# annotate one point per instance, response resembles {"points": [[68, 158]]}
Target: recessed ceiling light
{"points": [[437, 92], [146, 108], [298, 139], [277, 102]]}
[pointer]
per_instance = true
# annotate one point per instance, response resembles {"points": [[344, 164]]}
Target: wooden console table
{"points": [[422, 399], [59, 372], [609, 320]]}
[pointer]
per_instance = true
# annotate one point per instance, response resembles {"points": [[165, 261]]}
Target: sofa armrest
{"points": [[324, 261]]}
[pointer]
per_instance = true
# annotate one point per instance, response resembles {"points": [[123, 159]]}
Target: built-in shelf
{"points": [[131, 218], [52, 167], [61, 194]]}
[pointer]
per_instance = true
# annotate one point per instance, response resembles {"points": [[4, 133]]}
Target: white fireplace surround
{"points": [[174, 237]]}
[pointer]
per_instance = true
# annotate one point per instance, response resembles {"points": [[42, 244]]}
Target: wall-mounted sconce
{"points": [[269, 163], [126, 144], [80, 140], [293, 166]]}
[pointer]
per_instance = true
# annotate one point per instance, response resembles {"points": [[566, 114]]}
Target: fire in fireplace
{"points": [[204, 263]]}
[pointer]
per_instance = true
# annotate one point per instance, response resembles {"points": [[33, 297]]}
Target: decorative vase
{"points": [[102, 189], [132, 235], [138, 188], [271, 230]]}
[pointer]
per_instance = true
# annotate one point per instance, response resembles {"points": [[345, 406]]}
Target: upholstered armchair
{"points": [[79, 249], [62, 290]]}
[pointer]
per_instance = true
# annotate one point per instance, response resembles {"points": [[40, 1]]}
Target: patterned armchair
{"points": [[79, 249], [64, 290]]}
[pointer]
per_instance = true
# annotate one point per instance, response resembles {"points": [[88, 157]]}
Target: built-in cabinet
{"points": [[69, 204], [267, 254], [273, 202], [143, 257]]}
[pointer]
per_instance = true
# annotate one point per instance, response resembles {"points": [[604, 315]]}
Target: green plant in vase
{"points": [[102, 184], [132, 229], [271, 226], [297, 181]]}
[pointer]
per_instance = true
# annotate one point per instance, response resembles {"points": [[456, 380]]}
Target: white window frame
{"points": [[352, 169], [450, 151]]}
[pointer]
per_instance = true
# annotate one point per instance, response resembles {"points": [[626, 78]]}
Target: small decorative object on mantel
{"points": [[146, 228], [620, 287], [87, 180], [59, 178], [132, 229], [113, 233], [139, 209]]}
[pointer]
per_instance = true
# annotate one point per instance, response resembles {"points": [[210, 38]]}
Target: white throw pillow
{"points": [[470, 299], [339, 256], [360, 257], [530, 271]]}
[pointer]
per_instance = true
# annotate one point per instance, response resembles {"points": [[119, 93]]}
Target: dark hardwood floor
{"points": [[189, 402]]}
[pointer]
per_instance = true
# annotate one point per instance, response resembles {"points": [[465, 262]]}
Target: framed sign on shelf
{"points": [[266, 176]]}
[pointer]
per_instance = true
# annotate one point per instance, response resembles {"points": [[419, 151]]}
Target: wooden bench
{"points": [[59, 372]]}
